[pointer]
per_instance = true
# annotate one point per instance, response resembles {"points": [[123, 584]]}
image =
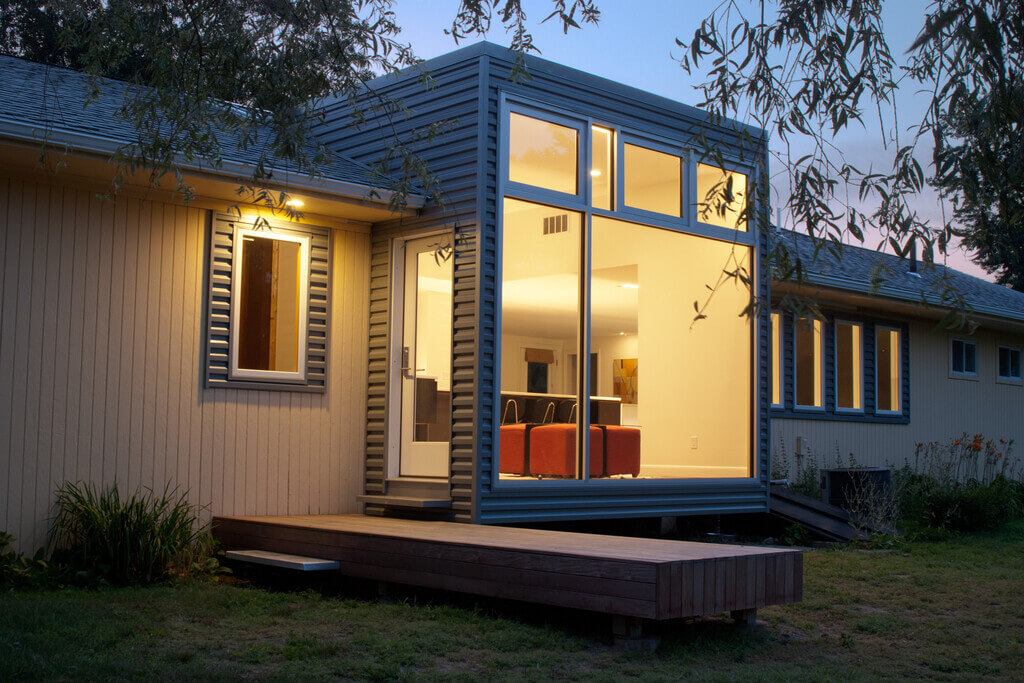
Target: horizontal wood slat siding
{"points": [[940, 408], [453, 157], [102, 367], [617, 106]]}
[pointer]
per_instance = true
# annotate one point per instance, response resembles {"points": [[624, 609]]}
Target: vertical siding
{"points": [[940, 408], [101, 367]]}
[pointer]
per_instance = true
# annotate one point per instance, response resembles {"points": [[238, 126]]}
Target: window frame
{"points": [[955, 374], [582, 203], [899, 370], [1009, 379], [835, 367], [581, 125], [822, 368]]}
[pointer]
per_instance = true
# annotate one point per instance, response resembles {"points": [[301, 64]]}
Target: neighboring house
{"points": [[880, 375], [421, 363]]}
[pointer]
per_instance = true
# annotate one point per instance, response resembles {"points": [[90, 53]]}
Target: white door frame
{"points": [[396, 342]]}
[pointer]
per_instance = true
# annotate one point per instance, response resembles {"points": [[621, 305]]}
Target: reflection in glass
{"points": [[540, 291], [848, 366], [542, 154], [432, 354], [601, 167], [887, 364], [721, 197], [270, 283], [682, 388], [652, 180], [808, 344]]}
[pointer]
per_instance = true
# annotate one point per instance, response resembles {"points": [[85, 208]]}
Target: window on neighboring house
{"points": [[807, 346], [543, 154], [849, 364], [887, 370], [721, 197], [1009, 364], [268, 304], [652, 180], [963, 358], [776, 332]]}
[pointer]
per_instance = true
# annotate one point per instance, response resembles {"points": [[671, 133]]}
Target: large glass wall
{"points": [[666, 393]]}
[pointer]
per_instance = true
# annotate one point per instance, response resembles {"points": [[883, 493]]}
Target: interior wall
{"points": [[101, 355]]}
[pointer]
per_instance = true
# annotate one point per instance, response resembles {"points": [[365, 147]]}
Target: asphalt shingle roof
{"points": [[57, 100], [862, 270]]}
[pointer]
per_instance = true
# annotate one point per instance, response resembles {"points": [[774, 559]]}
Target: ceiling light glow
{"points": [[296, 203], [630, 285]]}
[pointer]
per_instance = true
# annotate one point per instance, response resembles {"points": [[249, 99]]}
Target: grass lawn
{"points": [[952, 609]]}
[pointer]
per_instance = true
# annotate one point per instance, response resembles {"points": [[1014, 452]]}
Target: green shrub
{"points": [[140, 539], [20, 571]]}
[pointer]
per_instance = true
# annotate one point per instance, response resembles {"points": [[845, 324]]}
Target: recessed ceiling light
{"points": [[295, 203], [622, 334], [630, 285], [595, 172]]}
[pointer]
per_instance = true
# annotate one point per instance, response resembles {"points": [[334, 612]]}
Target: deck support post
{"points": [[744, 617], [628, 634]]}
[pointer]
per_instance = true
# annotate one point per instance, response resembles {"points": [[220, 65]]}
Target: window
{"points": [[268, 311], [887, 370], [1008, 364], [268, 304], [807, 343], [849, 363], [721, 197], [652, 180], [543, 154], [963, 358], [776, 326], [602, 163]]}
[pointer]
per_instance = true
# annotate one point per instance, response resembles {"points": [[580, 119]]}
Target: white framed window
{"points": [[269, 292], [808, 363], [849, 366], [963, 358], [776, 341], [1008, 364], [888, 370]]}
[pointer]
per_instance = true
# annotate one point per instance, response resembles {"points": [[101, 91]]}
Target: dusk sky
{"points": [[635, 44]]}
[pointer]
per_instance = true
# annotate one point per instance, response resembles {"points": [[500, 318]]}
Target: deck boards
{"points": [[639, 577]]}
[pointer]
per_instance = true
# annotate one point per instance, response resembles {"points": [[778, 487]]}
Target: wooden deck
{"points": [[631, 577]]}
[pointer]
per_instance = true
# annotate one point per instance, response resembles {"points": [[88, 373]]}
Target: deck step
{"points": [[415, 502], [282, 560]]}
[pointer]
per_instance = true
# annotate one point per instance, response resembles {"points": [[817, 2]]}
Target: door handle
{"points": [[406, 367]]}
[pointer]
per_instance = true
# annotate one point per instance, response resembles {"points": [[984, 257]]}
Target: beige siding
{"points": [[101, 337], [940, 407]]}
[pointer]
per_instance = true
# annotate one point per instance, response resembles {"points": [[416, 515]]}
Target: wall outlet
{"points": [[693, 442]]}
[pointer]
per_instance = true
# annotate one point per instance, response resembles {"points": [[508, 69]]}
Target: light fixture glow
{"points": [[595, 172], [622, 334], [296, 203], [630, 285]]}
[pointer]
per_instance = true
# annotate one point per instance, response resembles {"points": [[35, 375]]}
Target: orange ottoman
{"points": [[621, 450], [514, 449], [553, 450]]}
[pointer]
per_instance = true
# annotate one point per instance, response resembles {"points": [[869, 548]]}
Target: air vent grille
{"points": [[556, 224]]}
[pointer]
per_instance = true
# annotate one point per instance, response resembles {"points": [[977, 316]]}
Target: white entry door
{"points": [[424, 359]]}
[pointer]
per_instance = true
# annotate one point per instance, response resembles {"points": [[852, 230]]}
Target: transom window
{"points": [[653, 180], [963, 357], [543, 154], [1008, 363], [721, 197]]}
